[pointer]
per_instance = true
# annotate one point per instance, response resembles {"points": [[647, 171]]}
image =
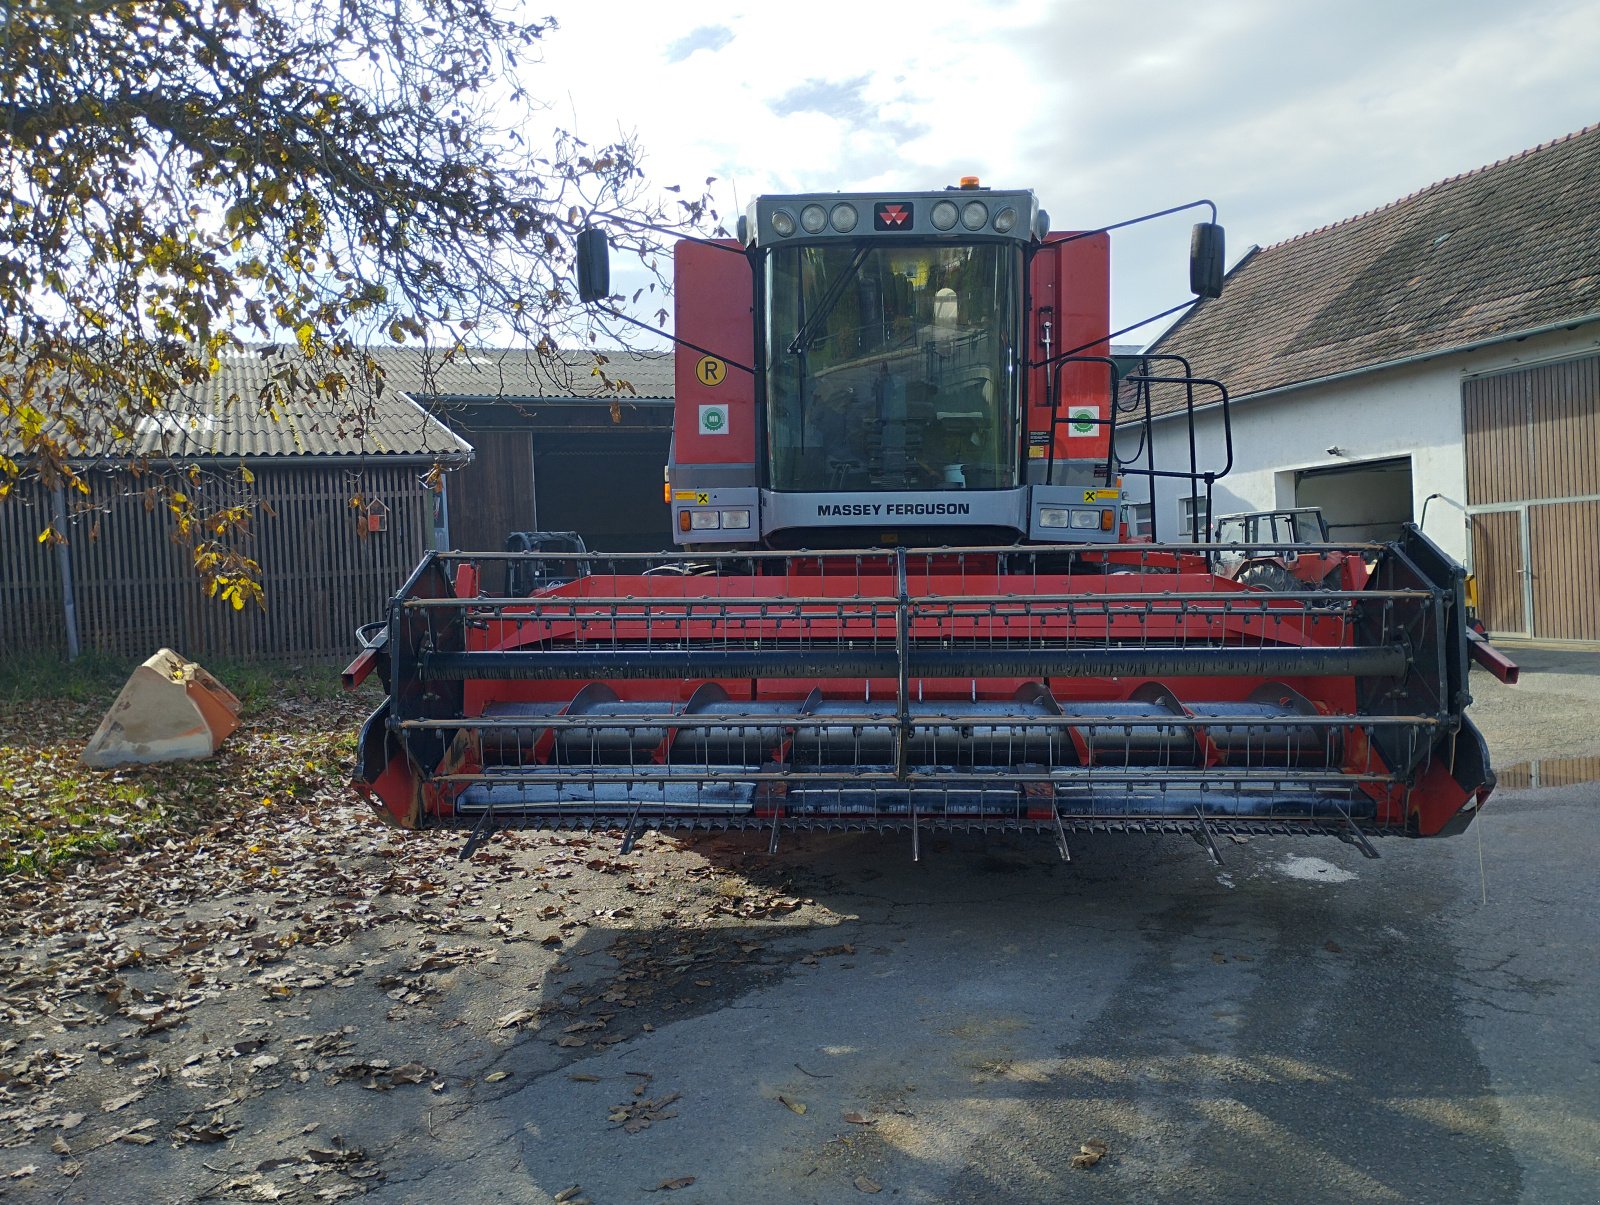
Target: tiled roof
{"points": [[1491, 253]]}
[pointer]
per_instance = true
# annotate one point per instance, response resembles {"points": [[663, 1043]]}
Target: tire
{"points": [[1267, 575]]}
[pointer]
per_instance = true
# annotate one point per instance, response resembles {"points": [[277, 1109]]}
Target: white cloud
{"points": [[1289, 115]]}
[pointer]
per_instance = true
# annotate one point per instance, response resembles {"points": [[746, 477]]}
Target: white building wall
{"points": [[1412, 411]]}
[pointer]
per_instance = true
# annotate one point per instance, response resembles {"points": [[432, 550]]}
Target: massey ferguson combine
{"points": [[902, 598]]}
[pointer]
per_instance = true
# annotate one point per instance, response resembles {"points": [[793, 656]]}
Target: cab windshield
{"points": [[892, 367]]}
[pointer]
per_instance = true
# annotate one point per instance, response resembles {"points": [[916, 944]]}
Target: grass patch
{"points": [[40, 677], [295, 746]]}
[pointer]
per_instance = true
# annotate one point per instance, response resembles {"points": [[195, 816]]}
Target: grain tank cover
{"points": [[963, 214]]}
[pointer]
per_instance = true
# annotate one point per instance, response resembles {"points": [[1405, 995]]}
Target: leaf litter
{"points": [[185, 966]]}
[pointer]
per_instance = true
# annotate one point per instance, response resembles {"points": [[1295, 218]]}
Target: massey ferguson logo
{"points": [[891, 215]]}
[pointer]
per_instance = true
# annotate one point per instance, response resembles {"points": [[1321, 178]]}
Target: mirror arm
{"points": [[1160, 213], [704, 351]]}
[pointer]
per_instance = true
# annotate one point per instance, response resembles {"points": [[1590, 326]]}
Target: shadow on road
{"points": [[955, 1029]]}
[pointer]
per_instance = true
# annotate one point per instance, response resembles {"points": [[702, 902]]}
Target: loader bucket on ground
{"points": [[169, 710], [996, 689]]}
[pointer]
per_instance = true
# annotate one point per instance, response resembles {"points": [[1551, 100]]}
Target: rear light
{"points": [[735, 520], [1054, 516], [704, 520]]}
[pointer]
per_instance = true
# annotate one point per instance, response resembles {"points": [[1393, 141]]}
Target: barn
{"points": [[1434, 361]]}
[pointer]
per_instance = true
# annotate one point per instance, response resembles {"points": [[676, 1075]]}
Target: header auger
{"points": [[903, 599]]}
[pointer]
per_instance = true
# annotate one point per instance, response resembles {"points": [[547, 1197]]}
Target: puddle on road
{"points": [[1549, 772]]}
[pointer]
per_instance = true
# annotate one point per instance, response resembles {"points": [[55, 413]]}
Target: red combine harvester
{"points": [[902, 599]]}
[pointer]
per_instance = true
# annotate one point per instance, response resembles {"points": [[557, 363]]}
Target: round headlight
{"points": [[1005, 220], [782, 223], [944, 215], [813, 218], [974, 215], [843, 218]]}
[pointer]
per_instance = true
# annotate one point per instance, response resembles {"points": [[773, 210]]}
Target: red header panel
{"points": [[714, 418], [1071, 290]]}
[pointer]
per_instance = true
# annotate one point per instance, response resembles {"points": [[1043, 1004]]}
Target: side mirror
{"points": [[594, 265], [1206, 253]]}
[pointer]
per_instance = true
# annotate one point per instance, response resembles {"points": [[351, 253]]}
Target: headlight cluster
{"points": [[974, 215], [714, 520], [1099, 519], [814, 219]]}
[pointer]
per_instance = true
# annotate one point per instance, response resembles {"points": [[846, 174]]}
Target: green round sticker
{"points": [[713, 420]]}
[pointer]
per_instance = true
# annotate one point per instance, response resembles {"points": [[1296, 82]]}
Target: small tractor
{"points": [[901, 597]]}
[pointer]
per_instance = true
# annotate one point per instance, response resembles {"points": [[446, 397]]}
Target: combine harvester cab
{"points": [[902, 600]]}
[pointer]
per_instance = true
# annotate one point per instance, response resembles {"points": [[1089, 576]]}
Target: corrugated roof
{"points": [[254, 407], [523, 375], [1490, 253]]}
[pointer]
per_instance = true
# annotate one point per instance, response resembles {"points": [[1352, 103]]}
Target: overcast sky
{"points": [[1289, 114]]}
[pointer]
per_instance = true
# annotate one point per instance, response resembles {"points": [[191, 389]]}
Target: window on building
{"points": [[1140, 518], [1192, 518]]}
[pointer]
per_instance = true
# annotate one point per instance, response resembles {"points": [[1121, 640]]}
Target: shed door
{"points": [[1498, 560]]}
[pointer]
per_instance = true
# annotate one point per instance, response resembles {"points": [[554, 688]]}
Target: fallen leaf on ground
{"points": [[670, 1185], [494, 1077], [794, 1106], [867, 1184], [1090, 1153], [566, 1194], [856, 1119]]}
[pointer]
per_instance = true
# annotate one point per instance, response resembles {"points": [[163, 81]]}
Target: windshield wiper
{"points": [[803, 337]]}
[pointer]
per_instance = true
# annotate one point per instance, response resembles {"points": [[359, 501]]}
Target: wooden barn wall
{"points": [[1533, 493], [1533, 433], [136, 589]]}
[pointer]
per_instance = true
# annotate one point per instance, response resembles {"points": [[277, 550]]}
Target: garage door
{"points": [[607, 488], [1361, 502], [1533, 494]]}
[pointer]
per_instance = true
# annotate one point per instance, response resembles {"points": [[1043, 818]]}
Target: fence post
{"points": [[69, 604]]}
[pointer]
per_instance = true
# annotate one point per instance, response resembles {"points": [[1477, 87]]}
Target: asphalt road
{"points": [[1301, 1025], [386, 1022]]}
